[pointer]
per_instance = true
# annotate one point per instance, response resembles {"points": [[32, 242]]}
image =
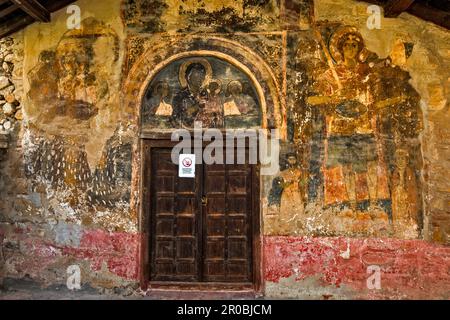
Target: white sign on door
{"points": [[186, 166]]}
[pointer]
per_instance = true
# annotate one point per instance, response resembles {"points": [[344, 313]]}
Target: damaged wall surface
{"points": [[362, 114]]}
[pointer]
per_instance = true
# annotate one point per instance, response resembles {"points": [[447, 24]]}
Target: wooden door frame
{"points": [[147, 141]]}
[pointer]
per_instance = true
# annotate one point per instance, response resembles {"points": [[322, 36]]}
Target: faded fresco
{"points": [[76, 148], [350, 121], [207, 90], [360, 164], [354, 131], [71, 85], [205, 15]]}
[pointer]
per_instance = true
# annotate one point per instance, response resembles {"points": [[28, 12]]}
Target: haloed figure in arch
{"points": [[194, 75], [159, 104]]}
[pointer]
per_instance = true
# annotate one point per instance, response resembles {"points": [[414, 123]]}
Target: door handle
{"points": [[204, 200]]}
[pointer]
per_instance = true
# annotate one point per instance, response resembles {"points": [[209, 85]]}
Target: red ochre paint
{"points": [[120, 252], [411, 268]]}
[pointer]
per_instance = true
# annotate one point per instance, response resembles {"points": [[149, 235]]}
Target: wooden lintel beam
{"points": [[394, 7], [34, 9]]}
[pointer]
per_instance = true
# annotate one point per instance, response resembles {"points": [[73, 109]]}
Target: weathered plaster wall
{"points": [[65, 181], [338, 267], [71, 176]]}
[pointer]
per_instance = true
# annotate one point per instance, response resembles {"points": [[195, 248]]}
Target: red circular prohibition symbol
{"points": [[187, 162]]}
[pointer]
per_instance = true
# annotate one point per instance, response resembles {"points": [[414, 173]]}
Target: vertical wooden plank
{"points": [[200, 225], [257, 235], [145, 213]]}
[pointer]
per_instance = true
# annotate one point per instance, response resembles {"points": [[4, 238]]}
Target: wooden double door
{"points": [[202, 229]]}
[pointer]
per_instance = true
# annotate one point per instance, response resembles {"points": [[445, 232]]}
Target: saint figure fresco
{"points": [[405, 205], [361, 120], [158, 105], [69, 86], [287, 194]]}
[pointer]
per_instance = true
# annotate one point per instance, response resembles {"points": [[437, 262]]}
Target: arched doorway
{"points": [[204, 230]]}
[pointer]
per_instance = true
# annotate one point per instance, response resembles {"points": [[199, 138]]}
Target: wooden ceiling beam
{"points": [[34, 9], [420, 10], [17, 14], [394, 7], [57, 5], [15, 25], [431, 14], [8, 10]]}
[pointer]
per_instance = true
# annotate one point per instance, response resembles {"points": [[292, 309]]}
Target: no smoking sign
{"points": [[186, 166]]}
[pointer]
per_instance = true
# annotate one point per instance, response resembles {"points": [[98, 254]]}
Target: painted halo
{"points": [[336, 37], [186, 64], [219, 83], [234, 83]]}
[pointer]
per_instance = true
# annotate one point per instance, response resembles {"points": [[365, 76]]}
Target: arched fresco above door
{"points": [[204, 89]]}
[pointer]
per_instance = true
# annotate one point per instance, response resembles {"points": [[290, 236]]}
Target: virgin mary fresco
{"points": [[206, 90]]}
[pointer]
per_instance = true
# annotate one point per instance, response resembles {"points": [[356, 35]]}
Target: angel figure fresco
{"points": [[238, 103], [158, 100], [354, 167], [163, 107], [234, 89], [239, 107]]}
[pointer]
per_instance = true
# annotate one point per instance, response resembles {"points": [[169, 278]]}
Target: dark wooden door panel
{"points": [[227, 227], [201, 228], [175, 222]]}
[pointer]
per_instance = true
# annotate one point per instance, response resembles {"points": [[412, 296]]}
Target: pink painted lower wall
{"points": [[107, 259], [307, 267], [294, 267], [119, 251]]}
